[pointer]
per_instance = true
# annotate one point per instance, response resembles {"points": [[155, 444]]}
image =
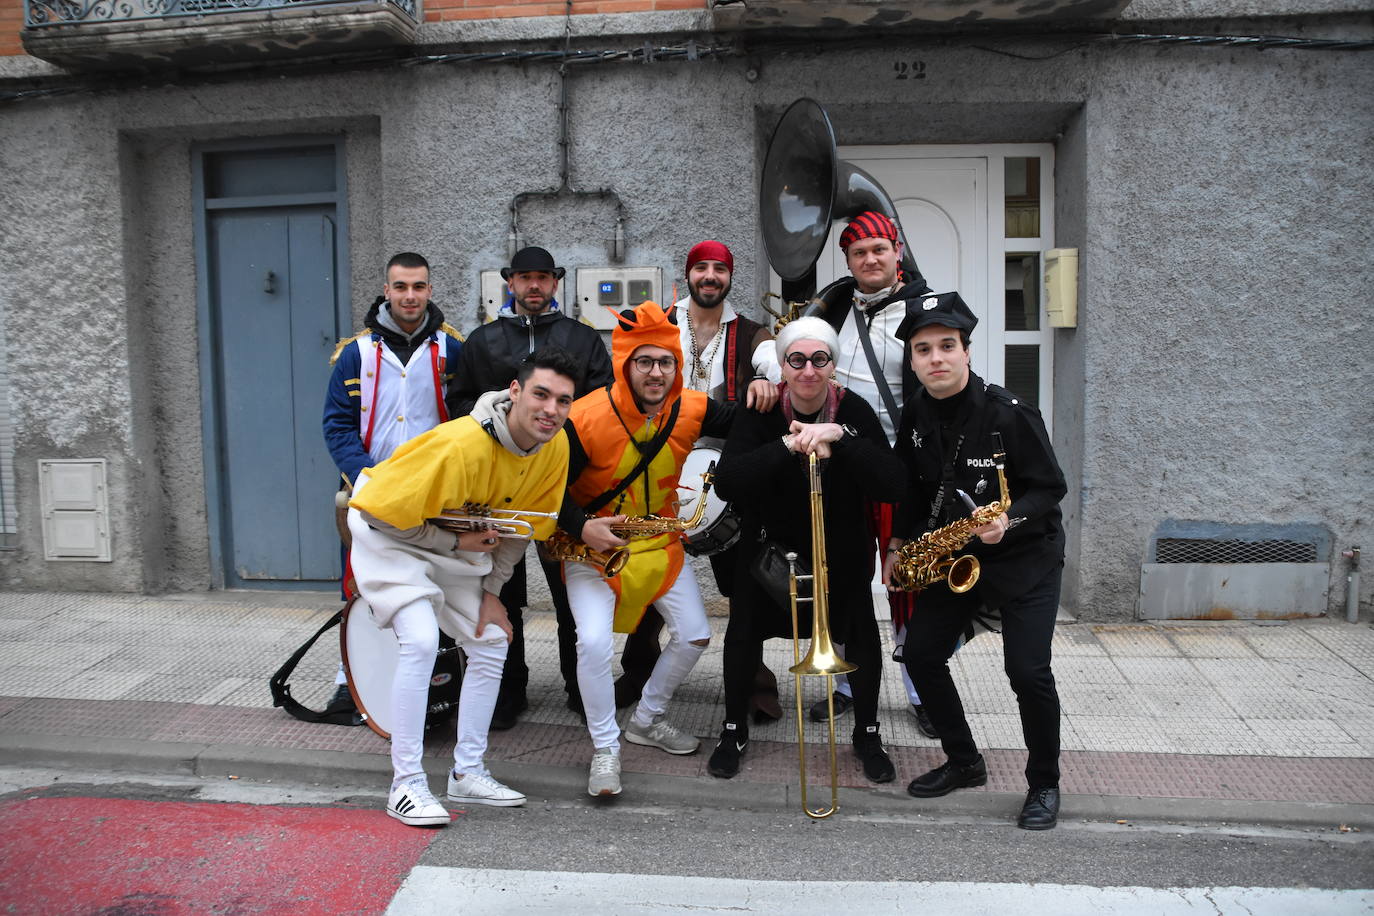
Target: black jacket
{"points": [[1036, 484], [493, 352], [768, 486]]}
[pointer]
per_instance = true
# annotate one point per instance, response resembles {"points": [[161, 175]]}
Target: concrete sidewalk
{"points": [[1232, 721]]}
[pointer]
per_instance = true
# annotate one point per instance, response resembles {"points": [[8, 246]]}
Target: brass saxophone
{"points": [[930, 558], [563, 546]]}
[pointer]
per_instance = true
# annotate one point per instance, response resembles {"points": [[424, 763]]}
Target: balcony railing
{"points": [[42, 13]]}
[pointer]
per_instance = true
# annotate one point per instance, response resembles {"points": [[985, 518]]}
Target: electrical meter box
{"points": [[494, 293], [1061, 287], [599, 288]]}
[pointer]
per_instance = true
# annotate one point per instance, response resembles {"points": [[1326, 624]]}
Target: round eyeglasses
{"points": [[646, 364], [820, 359]]}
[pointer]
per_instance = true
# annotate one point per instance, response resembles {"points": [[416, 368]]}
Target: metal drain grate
{"points": [[1218, 550]]}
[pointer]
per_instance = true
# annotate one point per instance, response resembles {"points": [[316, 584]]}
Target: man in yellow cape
{"points": [[417, 578]]}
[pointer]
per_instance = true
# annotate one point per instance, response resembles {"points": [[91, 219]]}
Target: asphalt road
{"points": [[635, 836]]}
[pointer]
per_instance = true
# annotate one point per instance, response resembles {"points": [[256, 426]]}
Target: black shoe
{"points": [[947, 777], [1041, 810], [724, 762], [765, 707], [341, 701], [923, 721], [507, 713], [820, 712], [868, 747]]}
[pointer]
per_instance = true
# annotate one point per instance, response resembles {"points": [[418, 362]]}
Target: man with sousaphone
{"points": [[764, 473], [420, 570], [621, 539], [980, 471]]}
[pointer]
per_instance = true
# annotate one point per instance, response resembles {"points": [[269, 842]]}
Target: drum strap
{"points": [[281, 691], [731, 341]]}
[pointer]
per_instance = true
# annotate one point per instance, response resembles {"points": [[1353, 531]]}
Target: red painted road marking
{"points": [[156, 858]]}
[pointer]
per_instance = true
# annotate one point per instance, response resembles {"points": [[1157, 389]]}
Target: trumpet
{"points": [[820, 660], [563, 546], [504, 523], [929, 558]]}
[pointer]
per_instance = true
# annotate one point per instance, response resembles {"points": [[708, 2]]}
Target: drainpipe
{"points": [[1352, 585]]}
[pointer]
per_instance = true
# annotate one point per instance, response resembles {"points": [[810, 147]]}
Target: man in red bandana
{"points": [[731, 359], [628, 443], [879, 373]]}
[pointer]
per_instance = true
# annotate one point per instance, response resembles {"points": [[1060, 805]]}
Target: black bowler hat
{"points": [[532, 258], [946, 309]]}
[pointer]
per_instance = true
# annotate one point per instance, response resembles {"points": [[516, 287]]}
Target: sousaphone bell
{"points": [[806, 186]]}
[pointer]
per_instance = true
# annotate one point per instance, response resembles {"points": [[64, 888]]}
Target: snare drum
{"points": [[720, 527], [369, 660]]}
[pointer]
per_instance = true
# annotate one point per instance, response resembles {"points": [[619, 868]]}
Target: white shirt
{"points": [[852, 369], [711, 354]]}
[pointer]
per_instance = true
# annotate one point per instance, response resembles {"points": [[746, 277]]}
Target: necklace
{"points": [[701, 362]]}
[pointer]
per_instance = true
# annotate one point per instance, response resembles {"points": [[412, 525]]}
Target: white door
{"points": [[978, 219]]}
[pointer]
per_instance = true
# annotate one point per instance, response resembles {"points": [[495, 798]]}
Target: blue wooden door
{"points": [[273, 291]]}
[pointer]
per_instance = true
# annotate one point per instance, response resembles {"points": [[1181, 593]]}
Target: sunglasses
{"points": [[820, 359], [645, 364]]}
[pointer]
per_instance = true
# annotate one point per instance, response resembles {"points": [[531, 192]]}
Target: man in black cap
{"points": [[952, 438], [531, 318]]}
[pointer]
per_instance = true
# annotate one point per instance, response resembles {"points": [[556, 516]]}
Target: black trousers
{"points": [[515, 677], [1027, 629], [743, 654]]}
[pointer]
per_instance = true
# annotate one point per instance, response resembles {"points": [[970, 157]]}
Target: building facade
{"points": [[200, 203]]}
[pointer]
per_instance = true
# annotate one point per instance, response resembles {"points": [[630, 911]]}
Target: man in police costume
{"points": [[947, 439]]}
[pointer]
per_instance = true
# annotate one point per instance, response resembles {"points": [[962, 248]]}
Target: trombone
{"points": [[504, 523], [821, 660]]}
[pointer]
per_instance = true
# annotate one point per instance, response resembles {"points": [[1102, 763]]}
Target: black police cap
{"points": [[946, 309]]}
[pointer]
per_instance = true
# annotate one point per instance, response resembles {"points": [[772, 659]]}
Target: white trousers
{"points": [[417, 630], [593, 607]]}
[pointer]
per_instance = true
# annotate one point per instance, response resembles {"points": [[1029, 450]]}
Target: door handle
{"points": [[269, 283]]}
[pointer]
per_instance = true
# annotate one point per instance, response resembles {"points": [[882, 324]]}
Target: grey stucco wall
{"points": [[1219, 199]]}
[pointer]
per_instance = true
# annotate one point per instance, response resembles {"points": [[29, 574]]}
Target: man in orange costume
{"points": [[628, 443]]}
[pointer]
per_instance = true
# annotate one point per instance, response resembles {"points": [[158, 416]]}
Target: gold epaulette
{"points": [[451, 331], [345, 342]]}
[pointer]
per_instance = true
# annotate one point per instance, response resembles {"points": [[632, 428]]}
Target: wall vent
{"points": [[1210, 570]]}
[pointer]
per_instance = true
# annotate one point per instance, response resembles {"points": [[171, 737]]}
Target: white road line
{"points": [[434, 890]]}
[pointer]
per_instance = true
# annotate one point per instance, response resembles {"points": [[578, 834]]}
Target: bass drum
{"points": [[369, 659], [720, 527]]}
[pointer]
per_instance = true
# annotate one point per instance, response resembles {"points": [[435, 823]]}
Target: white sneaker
{"points": [[605, 773], [663, 735], [481, 789], [412, 803]]}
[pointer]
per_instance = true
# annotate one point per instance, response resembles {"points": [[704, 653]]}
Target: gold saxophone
{"points": [[930, 558], [563, 546]]}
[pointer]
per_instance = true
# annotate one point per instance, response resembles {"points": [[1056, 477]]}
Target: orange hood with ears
{"points": [[647, 324]]}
